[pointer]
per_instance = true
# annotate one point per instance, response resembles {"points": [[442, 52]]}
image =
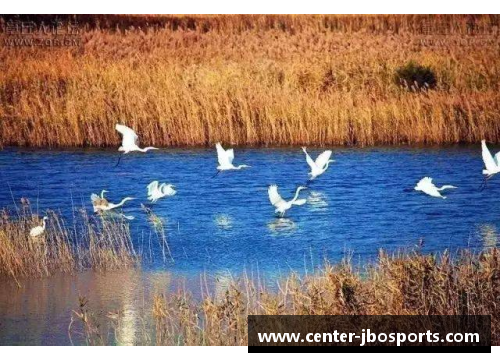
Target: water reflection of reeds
{"points": [[489, 235]]}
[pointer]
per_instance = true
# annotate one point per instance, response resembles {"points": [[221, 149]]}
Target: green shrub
{"points": [[415, 77]]}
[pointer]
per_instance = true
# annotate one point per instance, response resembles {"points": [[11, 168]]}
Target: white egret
{"points": [[427, 187], [101, 204], [99, 201], [492, 164], [319, 166], [39, 230], [225, 159], [157, 191], [130, 141], [281, 205]]}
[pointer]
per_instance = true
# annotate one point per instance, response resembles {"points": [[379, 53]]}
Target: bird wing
{"points": [[230, 155], [425, 183], [222, 156], [300, 202], [323, 158], [309, 160], [432, 192], [94, 198], [497, 158], [152, 186], [488, 159], [168, 189], [274, 196], [129, 136]]}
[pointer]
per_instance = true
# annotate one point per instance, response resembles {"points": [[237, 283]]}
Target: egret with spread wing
{"points": [[319, 166], [427, 187], [157, 191], [225, 159], [491, 164], [281, 205], [130, 141], [101, 204]]}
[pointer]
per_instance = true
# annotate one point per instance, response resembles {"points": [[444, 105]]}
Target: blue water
{"points": [[365, 201]]}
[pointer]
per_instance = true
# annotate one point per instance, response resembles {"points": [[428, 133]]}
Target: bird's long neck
{"points": [[327, 164], [241, 166], [123, 201], [296, 195], [146, 149]]}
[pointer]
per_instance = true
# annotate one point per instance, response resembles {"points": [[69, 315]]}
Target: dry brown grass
{"points": [[413, 284], [407, 285], [97, 244], [254, 80]]}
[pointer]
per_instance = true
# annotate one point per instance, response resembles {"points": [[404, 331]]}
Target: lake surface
{"points": [[225, 224]]}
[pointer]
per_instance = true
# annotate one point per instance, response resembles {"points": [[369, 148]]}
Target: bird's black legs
{"points": [[119, 158], [485, 182], [218, 172]]}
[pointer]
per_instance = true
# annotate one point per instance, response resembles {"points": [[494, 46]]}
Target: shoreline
{"points": [[142, 310]]}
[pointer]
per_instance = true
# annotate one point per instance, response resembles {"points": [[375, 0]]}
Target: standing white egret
{"points": [[427, 187], [39, 230], [157, 191], [130, 141], [319, 166], [225, 159], [101, 204], [492, 164], [281, 205]]}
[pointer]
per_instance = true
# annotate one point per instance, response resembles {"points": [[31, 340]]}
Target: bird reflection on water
{"points": [[317, 201], [282, 226], [223, 221]]}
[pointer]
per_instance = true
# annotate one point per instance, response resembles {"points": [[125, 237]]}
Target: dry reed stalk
{"points": [[98, 245], [255, 80]]}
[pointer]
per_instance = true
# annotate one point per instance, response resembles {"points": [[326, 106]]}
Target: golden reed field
{"points": [[256, 80]]}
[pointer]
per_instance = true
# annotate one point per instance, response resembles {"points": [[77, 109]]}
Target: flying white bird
{"points": [[99, 201], [281, 205], [101, 204], [130, 141], [225, 158], [157, 191], [427, 187], [320, 165], [492, 164], [39, 230]]}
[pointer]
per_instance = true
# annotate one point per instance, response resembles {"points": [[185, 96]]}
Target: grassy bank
{"points": [[89, 243], [414, 284], [255, 80]]}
